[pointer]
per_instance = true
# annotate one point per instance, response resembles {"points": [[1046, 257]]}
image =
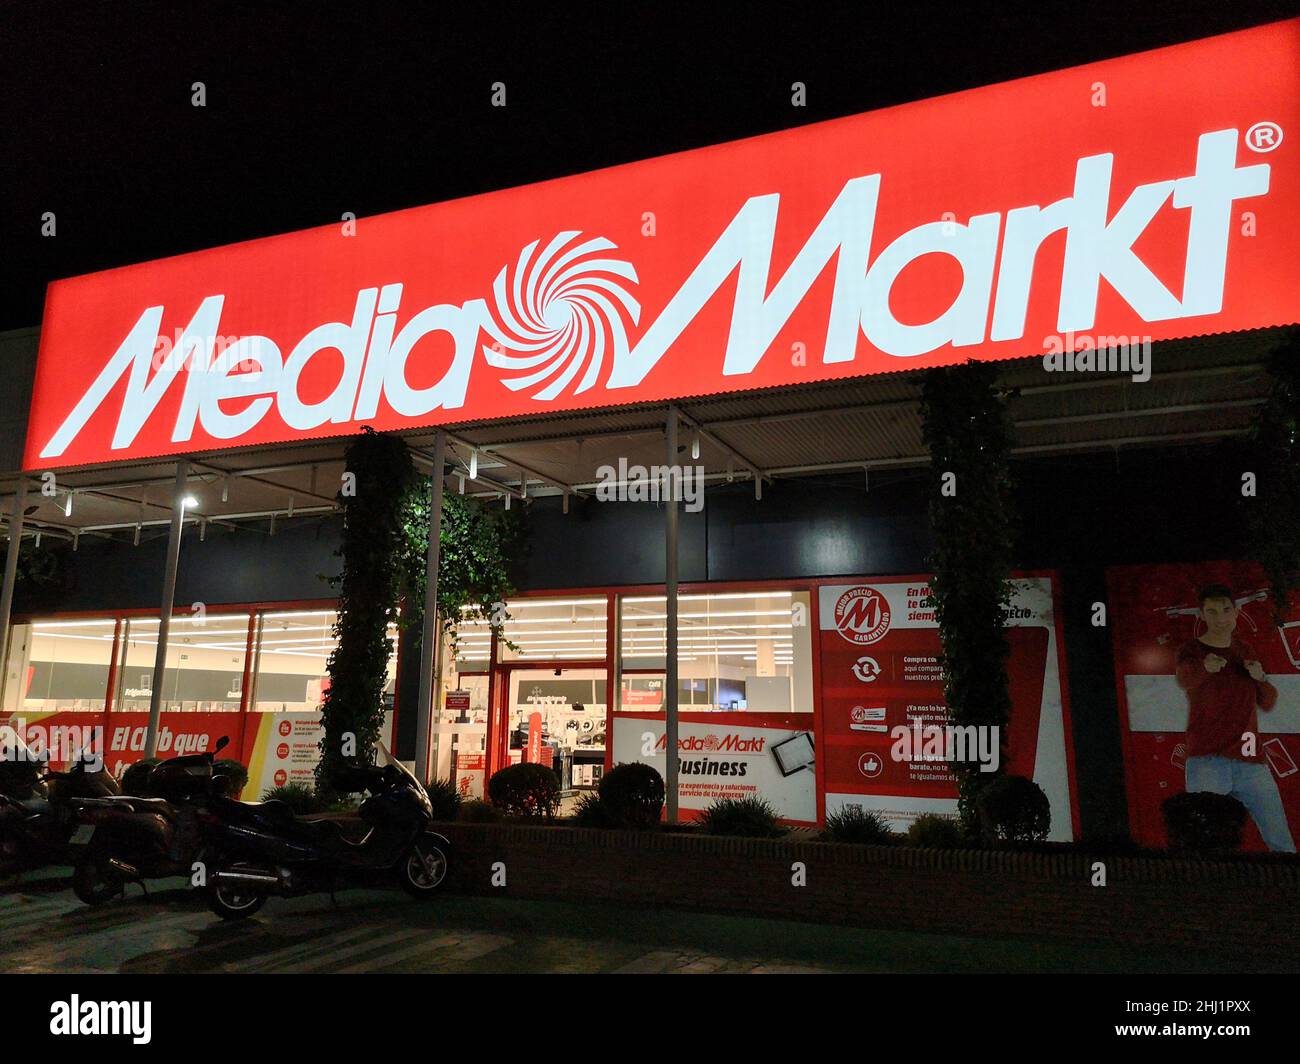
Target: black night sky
{"points": [[317, 109]]}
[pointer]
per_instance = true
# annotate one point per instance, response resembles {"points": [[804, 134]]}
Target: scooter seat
{"points": [[33, 806], [273, 813]]}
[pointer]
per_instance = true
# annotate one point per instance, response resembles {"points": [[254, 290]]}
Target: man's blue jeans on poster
{"points": [[1252, 784]]}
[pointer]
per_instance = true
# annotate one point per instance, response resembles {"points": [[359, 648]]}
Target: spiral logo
{"points": [[560, 314]]}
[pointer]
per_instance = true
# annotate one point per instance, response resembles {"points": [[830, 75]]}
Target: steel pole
{"points": [[429, 648], [165, 609], [11, 565], [670, 596]]}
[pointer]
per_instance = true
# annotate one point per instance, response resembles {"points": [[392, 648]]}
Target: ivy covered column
{"points": [[969, 436], [378, 477]]}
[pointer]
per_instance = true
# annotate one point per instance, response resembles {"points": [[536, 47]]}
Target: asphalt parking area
{"points": [[170, 930]]}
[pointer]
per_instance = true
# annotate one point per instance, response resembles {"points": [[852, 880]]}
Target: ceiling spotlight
{"points": [[189, 502], [473, 464]]}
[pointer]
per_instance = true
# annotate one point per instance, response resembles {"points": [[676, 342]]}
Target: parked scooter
{"points": [[256, 849], [133, 839], [37, 816]]}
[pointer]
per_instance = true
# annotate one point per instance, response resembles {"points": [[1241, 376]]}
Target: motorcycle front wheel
{"points": [[94, 879], [422, 871]]}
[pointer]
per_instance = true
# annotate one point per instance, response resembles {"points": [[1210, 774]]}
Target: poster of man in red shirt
{"points": [[1226, 685], [1209, 694]]}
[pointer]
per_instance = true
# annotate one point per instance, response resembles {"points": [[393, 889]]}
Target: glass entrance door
{"points": [[555, 716]]}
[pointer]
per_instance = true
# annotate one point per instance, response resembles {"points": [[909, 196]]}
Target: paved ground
{"points": [[43, 928]]}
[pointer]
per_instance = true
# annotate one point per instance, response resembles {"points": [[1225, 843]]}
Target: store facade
{"points": [[768, 301]]}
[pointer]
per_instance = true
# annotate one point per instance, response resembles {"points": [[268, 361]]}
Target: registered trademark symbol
{"points": [[1263, 136]]}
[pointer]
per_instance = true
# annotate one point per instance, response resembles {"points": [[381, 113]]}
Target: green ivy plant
{"points": [[369, 586], [969, 435], [1273, 513], [38, 566], [385, 538], [477, 545]]}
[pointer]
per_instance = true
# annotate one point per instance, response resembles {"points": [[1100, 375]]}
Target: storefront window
{"points": [[473, 646], [205, 663], [560, 629], [136, 652], [292, 651], [749, 650], [58, 666]]}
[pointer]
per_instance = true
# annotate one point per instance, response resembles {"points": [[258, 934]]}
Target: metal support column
{"points": [[670, 602], [165, 609], [11, 566], [429, 649]]}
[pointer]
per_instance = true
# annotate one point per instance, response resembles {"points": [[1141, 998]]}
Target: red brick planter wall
{"points": [[1239, 907]]}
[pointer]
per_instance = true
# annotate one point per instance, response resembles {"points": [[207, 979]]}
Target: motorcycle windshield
{"points": [[383, 756]]}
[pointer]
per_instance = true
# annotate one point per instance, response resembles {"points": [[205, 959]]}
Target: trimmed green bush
{"points": [[297, 796], [445, 799], [931, 831], [853, 824], [592, 811], [1013, 809], [135, 780], [752, 818], [632, 795], [1204, 823], [525, 790], [477, 811]]}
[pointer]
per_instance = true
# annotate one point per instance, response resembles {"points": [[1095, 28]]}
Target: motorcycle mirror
{"points": [[222, 743]]}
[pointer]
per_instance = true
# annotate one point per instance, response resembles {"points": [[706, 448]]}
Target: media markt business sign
{"points": [[1152, 195]]}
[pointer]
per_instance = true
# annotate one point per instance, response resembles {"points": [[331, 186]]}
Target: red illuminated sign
{"points": [[1146, 197]]}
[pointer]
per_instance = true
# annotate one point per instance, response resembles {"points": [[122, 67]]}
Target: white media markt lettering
{"points": [[375, 351]]}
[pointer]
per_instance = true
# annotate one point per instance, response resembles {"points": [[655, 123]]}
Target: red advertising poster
{"points": [[276, 748], [883, 704], [1209, 694], [471, 771], [870, 239], [535, 739]]}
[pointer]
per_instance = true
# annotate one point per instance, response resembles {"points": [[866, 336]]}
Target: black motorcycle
{"points": [[37, 815], [256, 849], [133, 839]]}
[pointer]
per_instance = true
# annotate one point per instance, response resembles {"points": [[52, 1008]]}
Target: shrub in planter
{"points": [[747, 817], [592, 811], [525, 790], [477, 811], [1201, 822], [931, 831], [297, 796], [235, 772], [135, 780], [1013, 809], [853, 824], [632, 795], [445, 799]]}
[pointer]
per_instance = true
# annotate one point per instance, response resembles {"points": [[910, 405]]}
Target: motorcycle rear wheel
{"points": [[422, 871], [232, 902], [94, 880]]}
